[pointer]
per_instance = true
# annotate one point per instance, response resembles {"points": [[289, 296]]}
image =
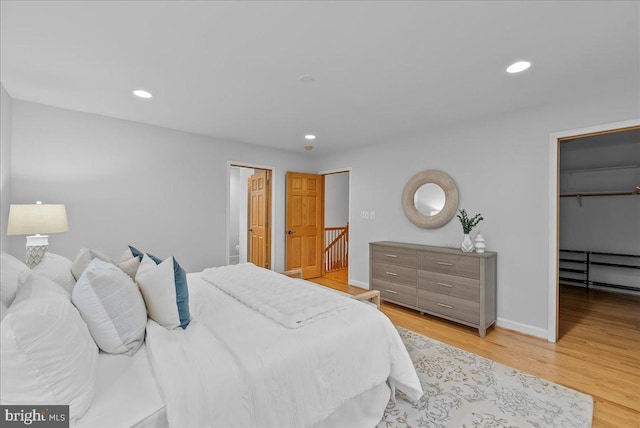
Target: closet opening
{"points": [[598, 259]]}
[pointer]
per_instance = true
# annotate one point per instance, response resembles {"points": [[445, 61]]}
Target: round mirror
{"points": [[430, 199]]}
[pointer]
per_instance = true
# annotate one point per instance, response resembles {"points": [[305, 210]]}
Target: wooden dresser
{"points": [[440, 281]]}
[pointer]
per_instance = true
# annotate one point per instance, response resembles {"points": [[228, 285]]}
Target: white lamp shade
{"points": [[29, 219]]}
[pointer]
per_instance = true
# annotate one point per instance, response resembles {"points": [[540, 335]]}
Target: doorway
{"points": [[597, 231], [249, 228], [317, 223], [336, 226]]}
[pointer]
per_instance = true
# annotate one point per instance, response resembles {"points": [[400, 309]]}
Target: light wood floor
{"points": [[598, 352]]}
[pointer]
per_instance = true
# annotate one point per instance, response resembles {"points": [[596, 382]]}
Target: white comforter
{"points": [[233, 367], [287, 301]]}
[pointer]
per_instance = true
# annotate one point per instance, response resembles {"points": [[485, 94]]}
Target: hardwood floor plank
{"points": [[598, 352]]}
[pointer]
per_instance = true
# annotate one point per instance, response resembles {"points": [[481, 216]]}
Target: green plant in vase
{"points": [[467, 225]]}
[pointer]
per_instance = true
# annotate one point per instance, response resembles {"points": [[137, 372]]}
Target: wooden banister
{"points": [[336, 253]]}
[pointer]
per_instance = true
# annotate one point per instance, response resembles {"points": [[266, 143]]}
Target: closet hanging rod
{"points": [[586, 194], [605, 168]]}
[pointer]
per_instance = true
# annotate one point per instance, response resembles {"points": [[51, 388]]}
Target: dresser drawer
{"points": [[394, 273], [455, 286], [398, 256], [451, 264], [452, 307], [397, 293]]}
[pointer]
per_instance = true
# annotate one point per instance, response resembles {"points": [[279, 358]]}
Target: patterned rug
{"points": [[465, 390]]}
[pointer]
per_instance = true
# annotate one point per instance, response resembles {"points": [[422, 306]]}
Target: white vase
{"points": [[466, 246], [480, 245]]}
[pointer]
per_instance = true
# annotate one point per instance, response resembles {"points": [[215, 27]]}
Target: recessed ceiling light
{"points": [[308, 148], [307, 78], [142, 93], [519, 66], [309, 137]]}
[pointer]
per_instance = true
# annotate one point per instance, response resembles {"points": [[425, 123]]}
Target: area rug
{"points": [[465, 390]]}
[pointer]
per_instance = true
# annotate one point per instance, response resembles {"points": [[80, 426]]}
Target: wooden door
{"points": [[305, 216], [259, 213]]}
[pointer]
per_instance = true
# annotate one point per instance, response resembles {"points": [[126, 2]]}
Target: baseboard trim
{"points": [[522, 328], [359, 284]]}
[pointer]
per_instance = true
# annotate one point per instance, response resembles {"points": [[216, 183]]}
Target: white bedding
{"points": [[126, 394], [235, 367], [288, 301]]}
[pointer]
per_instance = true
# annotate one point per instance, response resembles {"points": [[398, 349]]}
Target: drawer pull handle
{"points": [[391, 273], [445, 306], [392, 256], [445, 285], [392, 292], [445, 264]]}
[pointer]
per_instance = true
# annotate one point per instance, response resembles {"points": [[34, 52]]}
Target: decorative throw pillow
{"points": [[47, 355], [58, 269], [130, 261], [112, 306], [10, 269], [164, 288], [34, 285], [84, 257]]}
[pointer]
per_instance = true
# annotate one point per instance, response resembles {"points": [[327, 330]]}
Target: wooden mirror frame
{"points": [[451, 199]]}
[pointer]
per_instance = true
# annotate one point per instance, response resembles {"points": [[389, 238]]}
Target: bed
{"points": [[234, 366]]}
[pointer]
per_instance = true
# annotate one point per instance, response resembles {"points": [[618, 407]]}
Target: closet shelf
{"points": [[588, 261]]}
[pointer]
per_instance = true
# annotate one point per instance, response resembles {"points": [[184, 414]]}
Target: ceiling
{"points": [[383, 70]]}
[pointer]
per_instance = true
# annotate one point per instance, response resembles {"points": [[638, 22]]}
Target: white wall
{"points": [[160, 190], [501, 168], [5, 166], [336, 198]]}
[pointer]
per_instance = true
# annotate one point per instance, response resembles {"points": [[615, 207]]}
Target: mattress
{"points": [[126, 394]]}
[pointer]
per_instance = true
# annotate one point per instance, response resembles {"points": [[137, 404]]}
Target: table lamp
{"points": [[36, 220]]}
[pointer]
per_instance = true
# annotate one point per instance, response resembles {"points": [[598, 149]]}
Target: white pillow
{"points": [[84, 257], [58, 269], [164, 288], [112, 306], [34, 285], [10, 268], [130, 261], [3, 310], [47, 355]]}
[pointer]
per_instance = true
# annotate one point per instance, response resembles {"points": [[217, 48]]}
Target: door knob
{"points": [[250, 230], [290, 232]]}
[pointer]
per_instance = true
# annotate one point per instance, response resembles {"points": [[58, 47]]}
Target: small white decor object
{"points": [[480, 245], [466, 246]]}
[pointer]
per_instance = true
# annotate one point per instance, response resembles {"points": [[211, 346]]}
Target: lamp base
{"points": [[36, 247]]}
